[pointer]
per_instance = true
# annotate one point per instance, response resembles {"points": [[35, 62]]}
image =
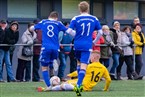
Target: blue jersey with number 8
{"points": [[50, 30], [84, 25]]}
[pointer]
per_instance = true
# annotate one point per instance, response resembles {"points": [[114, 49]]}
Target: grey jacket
{"points": [[126, 42], [106, 51], [26, 38]]}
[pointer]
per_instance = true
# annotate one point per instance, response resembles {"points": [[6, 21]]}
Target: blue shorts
{"points": [[83, 56], [47, 56]]}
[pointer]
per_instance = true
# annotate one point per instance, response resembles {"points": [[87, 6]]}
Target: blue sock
{"points": [[46, 77], [81, 76], [78, 69]]}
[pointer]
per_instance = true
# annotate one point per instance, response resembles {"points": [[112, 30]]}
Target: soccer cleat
{"points": [[77, 90], [81, 88], [40, 89]]}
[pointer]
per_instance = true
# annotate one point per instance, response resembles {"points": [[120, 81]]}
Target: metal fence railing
{"points": [[65, 45]]}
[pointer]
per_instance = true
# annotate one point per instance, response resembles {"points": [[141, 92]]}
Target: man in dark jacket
{"points": [[2, 29], [10, 37], [3, 25]]}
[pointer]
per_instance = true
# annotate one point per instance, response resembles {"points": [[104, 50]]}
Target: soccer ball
{"points": [[55, 80]]}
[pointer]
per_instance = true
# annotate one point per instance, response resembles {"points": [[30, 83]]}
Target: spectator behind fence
{"points": [[99, 42], [127, 56], [139, 41], [106, 51], [6, 38], [64, 38], [13, 34], [136, 20], [73, 60], [24, 62], [116, 50], [36, 52], [3, 25]]}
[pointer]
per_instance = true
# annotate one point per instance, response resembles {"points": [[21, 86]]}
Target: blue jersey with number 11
{"points": [[84, 25], [50, 30]]}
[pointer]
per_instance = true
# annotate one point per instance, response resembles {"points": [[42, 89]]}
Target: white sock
{"points": [[67, 87], [56, 88]]}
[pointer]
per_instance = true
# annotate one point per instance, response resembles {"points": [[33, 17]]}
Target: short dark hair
{"points": [[3, 21], [53, 14], [30, 24], [65, 23], [138, 24], [36, 21], [123, 30]]}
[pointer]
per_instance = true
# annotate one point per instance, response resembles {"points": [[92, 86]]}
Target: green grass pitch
{"points": [[125, 88]]}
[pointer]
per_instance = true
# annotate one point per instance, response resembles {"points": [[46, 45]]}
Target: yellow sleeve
{"points": [[135, 39], [143, 37], [73, 74], [107, 79]]}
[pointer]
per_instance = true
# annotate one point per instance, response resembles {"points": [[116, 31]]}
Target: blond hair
{"points": [[95, 56], [105, 27], [83, 6], [53, 14]]}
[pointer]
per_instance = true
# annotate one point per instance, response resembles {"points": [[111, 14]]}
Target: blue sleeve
{"points": [[62, 27], [39, 25], [72, 23], [98, 25]]}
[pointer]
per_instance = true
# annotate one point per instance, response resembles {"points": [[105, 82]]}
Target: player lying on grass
{"points": [[95, 71]]}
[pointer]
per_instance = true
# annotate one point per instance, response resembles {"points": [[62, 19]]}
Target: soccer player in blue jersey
{"points": [[84, 24], [50, 44]]}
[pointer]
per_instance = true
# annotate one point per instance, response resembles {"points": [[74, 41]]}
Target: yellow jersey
{"points": [[94, 72]]}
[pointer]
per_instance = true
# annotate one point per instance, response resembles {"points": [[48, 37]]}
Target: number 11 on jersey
{"points": [[83, 28]]}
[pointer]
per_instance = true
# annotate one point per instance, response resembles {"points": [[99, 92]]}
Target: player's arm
{"points": [[71, 27], [71, 31], [99, 34], [99, 30], [67, 30], [73, 74], [37, 26], [107, 79]]}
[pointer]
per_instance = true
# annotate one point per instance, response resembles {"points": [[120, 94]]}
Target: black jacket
{"points": [[10, 38], [115, 37], [2, 35]]}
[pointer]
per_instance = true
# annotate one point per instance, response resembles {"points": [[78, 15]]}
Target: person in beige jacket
{"points": [[24, 62]]}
